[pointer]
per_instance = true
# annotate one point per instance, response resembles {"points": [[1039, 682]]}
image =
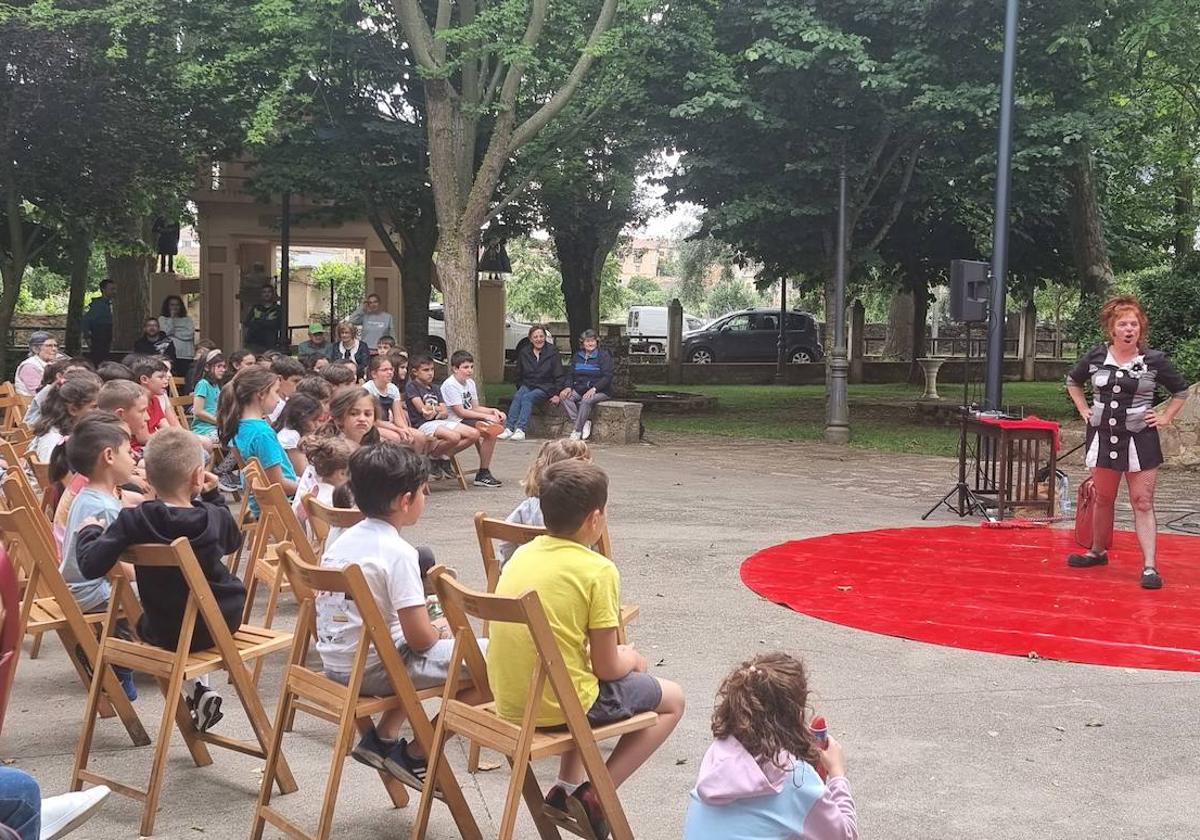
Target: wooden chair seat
{"points": [[46, 614], [251, 643], [496, 733]]}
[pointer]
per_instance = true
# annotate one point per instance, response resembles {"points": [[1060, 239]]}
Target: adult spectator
{"points": [[374, 321], [154, 342], [98, 322], [591, 380], [263, 322], [349, 348], [42, 351], [316, 345], [539, 377], [175, 322], [1122, 427]]}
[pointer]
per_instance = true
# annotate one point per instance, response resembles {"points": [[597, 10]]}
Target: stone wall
{"points": [[1181, 440]]}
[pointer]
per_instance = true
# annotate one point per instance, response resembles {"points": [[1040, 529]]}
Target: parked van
{"points": [[647, 328]]}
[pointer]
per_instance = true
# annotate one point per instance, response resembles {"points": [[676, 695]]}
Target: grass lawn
{"points": [[881, 416]]}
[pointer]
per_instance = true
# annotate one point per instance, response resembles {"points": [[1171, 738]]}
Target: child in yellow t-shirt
{"points": [[579, 591]]}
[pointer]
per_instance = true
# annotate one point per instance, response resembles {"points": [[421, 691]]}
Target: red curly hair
{"points": [[1117, 306]]}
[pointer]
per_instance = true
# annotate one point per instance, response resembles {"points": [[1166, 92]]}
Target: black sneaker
{"points": [[205, 706], [448, 470], [371, 750], [1151, 579], [405, 767], [1085, 561], [484, 478]]}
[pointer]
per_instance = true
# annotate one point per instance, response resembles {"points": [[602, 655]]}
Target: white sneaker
{"points": [[64, 813], [518, 435], [587, 429], [575, 436], [505, 435]]}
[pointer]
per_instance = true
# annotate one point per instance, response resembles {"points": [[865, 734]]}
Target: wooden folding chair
{"points": [[12, 412], [277, 523], [231, 652], [48, 606], [18, 492], [180, 405], [41, 470], [10, 629], [521, 742], [458, 472], [322, 518], [246, 519], [318, 695]]}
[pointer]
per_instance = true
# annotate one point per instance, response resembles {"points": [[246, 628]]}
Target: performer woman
{"points": [[1122, 431]]}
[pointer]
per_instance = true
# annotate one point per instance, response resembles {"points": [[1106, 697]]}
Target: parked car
{"points": [[647, 328], [516, 334], [752, 335]]}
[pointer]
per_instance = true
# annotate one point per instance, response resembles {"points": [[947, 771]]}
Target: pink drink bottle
{"points": [[820, 731]]}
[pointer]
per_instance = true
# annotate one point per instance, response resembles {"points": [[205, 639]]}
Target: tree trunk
{"points": [[920, 314], [131, 272], [1089, 247], [1185, 210], [581, 257], [900, 325], [11, 273], [416, 281], [456, 263], [79, 246]]}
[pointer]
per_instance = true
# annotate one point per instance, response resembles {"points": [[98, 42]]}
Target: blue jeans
{"points": [[522, 406], [20, 803]]}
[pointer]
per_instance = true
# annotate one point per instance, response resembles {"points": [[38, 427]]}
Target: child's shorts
{"points": [[427, 669], [621, 699], [431, 426]]}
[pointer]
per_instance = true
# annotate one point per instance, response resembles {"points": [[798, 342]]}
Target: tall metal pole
{"points": [[994, 379], [285, 267], [781, 365], [837, 425]]}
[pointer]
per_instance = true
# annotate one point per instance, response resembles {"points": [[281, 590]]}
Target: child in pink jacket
{"points": [[758, 780]]}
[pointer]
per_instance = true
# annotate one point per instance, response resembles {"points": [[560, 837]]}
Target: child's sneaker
{"points": [[484, 478], [126, 677], [518, 435], [448, 469], [587, 430], [587, 805], [205, 706], [405, 767], [371, 750]]}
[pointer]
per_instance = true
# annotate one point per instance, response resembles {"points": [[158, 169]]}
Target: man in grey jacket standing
{"points": [[374, 321]]}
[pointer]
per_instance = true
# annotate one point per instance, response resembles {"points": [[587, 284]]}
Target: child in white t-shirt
{"points": [[389, 483], [464, 407], [299, 419], [379, 384]]}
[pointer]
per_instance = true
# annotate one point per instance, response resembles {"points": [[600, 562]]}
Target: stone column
{"points": [[490, 305], [858, 341], [675, 342]]}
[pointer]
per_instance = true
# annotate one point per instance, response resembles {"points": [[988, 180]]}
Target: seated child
{"points": [[759, 778], [98, 450], [579, 590], [379, 385], [190, 506], [245, 403], [65, 405], [56, 373], [389, 482], [154, 375], [529, 512], [385, 345], [340, 375], [467, 411], [205, 394], [328, 469], [290, 372], [427, 414], [297, 421]]}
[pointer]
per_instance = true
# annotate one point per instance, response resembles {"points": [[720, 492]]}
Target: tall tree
{"points": [[474, 59]]}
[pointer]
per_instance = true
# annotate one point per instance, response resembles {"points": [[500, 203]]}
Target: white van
{"points": [[647, 328]]}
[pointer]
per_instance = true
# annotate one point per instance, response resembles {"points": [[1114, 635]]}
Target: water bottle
{"points": [[1064, 493]]}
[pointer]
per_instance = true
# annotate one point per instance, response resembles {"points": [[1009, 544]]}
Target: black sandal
{"points": [[1085, 561], [1151, 579]]}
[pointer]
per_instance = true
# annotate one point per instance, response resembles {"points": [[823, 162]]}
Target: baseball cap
{"points": [[314, 328]]}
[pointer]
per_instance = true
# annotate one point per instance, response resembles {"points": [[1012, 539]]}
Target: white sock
{"points": [[569, 787], [189, 686]]}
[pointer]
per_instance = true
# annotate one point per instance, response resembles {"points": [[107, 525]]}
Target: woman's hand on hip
{"points": [[1154, 420]]}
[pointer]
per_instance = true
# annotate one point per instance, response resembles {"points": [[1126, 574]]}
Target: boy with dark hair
{"points": [[98, 450], [290, 372], [154, 375], [385, 345], [427, 414], [175, 469], [110, 371], [390, 483], [579, 590], [340, 375], [464, 408]]}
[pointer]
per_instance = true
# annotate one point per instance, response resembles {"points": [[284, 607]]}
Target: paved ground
{"points": [[942, 743]]}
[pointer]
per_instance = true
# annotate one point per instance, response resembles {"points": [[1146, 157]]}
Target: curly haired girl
{"points": [[759, 778]]}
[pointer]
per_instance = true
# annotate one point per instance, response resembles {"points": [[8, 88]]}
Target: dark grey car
{"points": [[752, 335]]}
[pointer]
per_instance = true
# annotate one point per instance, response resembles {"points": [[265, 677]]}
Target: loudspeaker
{"points": [[968, 291]]}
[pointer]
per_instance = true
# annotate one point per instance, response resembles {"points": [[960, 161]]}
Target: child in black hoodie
{"points": [[174, 463]]}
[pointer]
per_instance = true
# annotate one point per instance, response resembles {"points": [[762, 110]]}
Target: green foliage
{"points": [[349, 283], [727, 294], [534, 289], [642, 291], [1171, 299], [1187, 358], [614, 298]]}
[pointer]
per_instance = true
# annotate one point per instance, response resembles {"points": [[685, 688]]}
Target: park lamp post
{"points": [[781, 364], [837, 423]]}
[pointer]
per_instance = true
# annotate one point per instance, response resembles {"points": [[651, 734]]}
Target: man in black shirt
{"points": [[263, 323]]}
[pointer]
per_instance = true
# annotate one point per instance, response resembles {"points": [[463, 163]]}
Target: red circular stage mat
{"points": [[995, 590]]}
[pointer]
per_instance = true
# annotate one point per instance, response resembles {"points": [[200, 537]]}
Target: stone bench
{"points": [[614, 421]]}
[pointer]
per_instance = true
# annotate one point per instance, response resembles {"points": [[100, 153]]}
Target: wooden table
{"points": [[1008, 460]]}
